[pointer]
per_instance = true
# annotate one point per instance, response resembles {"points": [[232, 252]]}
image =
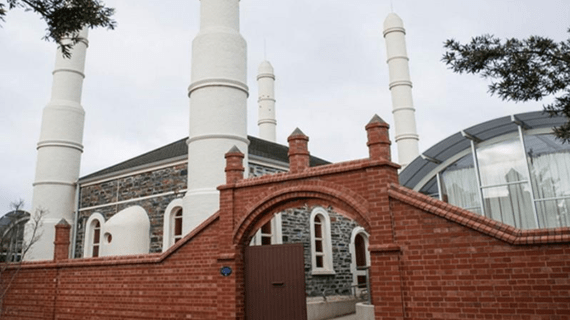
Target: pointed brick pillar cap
{"points": [[298, 151], [377, 120], [234, 165], [378, 138], [297, 132], [62, 223]]}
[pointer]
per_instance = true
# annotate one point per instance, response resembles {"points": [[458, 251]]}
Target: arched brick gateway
{"points": [[428, 258]]}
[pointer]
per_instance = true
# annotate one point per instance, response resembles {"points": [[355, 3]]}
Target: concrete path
{"points": [[348, 317]]}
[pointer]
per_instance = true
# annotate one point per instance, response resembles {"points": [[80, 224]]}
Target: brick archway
{"points": [[357, 188], [283, 197]]}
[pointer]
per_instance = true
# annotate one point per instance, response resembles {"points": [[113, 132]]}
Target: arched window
{"points": [[173, 228], [360, 258], [96, 239], [93, 235], [177, 225], [321, 246]]}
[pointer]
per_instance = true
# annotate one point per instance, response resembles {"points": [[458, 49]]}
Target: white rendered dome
{"points": [[265, 67]]}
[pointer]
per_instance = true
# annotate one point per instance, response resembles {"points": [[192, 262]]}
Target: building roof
{"points": [[12, 217], [452, 145], [179, 149]]}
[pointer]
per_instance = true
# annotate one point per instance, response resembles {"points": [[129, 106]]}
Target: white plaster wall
{"points": [[218, 106], [59, 149], [364, 311], [130, 232], [401, 90]]}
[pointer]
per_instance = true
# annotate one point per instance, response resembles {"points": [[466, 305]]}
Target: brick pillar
{"points": [[62, 232], [378, 139], [234, 165], [230, 288], [385, 282], [298, 151]]}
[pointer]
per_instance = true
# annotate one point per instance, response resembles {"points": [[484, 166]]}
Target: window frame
{"points": [[90, 233], [326, 243], [168, 236]]}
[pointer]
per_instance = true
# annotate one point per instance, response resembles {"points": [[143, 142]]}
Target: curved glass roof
{"points": [[460, 141]]}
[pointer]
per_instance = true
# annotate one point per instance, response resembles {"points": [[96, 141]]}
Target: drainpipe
{"points": [[75, 221]]}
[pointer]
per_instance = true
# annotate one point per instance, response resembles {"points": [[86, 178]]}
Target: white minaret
{"points": [[59, 148], [401, 89], [266, 120], [218, 106]]}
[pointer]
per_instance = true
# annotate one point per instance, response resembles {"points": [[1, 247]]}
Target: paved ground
{"points": [[348, 317]]}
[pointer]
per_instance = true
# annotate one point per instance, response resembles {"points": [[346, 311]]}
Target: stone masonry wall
{"points": [[296, 229], [130, 188], [111, 193]]}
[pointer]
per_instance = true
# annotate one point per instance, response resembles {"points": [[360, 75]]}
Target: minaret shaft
{"points": [[218, 106], [401, 90], [266, 120], [59, 149]]}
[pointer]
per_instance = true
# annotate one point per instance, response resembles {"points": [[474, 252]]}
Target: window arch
{"points": [[173, 224], [360, 258], [93, 235], [321, 246]]}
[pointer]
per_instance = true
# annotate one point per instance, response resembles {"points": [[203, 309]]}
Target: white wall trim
{"points": [[167, 234], [352, 249], [132, 200], [327, 267], [88, 239]]}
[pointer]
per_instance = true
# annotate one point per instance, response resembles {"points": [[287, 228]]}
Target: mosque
{"points": [[510, 169]]}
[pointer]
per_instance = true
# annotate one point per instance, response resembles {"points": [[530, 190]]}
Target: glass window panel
{"points": [[553, 213], [266, 228], [360, 250], [549, 163], [96, 232], [265, 241], [510, 204], [502, 163], [319, 261], [178, 224], [459, 184], [318, 246], [318, 228]]}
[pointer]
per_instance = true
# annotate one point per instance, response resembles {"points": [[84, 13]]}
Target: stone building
{"points": [[155, 183]]}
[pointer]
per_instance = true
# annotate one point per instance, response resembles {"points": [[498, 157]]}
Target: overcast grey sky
{"points": [[329, 59]]}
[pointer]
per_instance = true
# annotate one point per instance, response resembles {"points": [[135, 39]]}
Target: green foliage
{"points": [[520, 70], [65, 18]]}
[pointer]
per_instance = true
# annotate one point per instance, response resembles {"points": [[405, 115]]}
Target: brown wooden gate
{"points": [[275, 282]]}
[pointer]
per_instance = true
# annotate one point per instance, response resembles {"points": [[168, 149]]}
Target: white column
{"points": [[218, 111], [401, 90], [59, 149], [266, 121]]}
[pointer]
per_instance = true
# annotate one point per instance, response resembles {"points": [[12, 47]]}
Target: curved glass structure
{"points": [[510, 169]]}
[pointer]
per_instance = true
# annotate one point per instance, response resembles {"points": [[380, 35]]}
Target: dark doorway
{"points": [[275, 282]]}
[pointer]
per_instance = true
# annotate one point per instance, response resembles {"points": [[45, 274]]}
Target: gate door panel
{"points": [[275, 282]]}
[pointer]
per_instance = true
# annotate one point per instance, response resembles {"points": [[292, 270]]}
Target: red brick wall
{"points": [[448, 270], [428, 259], [178, 285]]}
